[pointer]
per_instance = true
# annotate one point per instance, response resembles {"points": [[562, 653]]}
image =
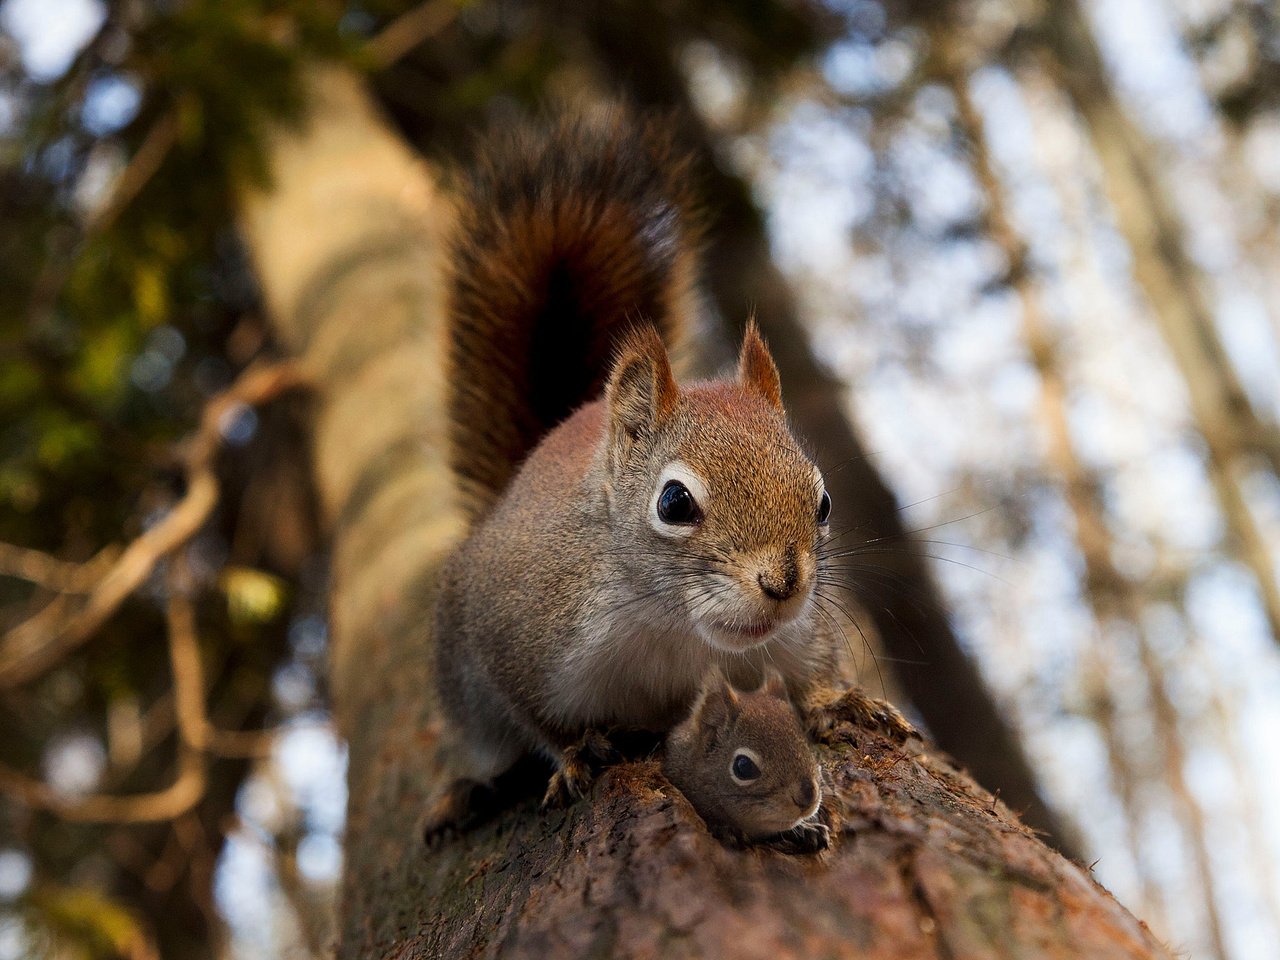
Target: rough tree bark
{"points": [[926, 863]]}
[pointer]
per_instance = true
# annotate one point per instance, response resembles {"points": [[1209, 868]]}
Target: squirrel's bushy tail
{"points": [[566, 237]]}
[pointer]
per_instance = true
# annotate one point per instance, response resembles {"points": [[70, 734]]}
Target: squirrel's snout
{"points": [[776, 589], [780, 579], [806, 794], [808, 791]]}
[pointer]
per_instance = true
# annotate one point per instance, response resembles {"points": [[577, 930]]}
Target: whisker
{"points": [[931, 556], [868, 596], [857, 626], [854, 577]]}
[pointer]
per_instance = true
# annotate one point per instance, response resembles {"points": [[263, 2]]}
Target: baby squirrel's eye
{"points": [[824, 509], [676, 504], [744, 769]]}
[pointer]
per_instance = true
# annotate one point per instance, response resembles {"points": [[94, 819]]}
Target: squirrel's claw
{"points": [[808, 836], [598, 749], [856, 707], [579, 763], [457, 807], [570, 782], [566, 785]]}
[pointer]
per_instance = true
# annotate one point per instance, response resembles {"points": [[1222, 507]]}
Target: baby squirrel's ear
{"points": [[641, 392], [774, 685], [717, 703], [756, 369]]}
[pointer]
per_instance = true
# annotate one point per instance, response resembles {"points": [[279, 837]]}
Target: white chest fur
{"points": [[638, 665], [641, 663]]}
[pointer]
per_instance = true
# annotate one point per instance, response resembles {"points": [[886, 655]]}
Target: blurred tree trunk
{"points": [[347, 246], [1173, 284], [1109, 593]]}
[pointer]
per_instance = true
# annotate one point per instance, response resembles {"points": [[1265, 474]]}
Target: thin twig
{"points": [[187, 789], [174, 800], [410, 29], [60, 576], [197, 737], [141, 167], [34, 646], [194, 725]]}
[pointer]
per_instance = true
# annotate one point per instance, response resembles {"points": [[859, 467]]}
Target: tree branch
{"points": [[1108, 592], [37, 644], [411, 28], [198, 738], [1173, 286], [35, 566]]}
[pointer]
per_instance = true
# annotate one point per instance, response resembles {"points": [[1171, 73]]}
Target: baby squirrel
{"points": [[628, 533], [744, 762]]}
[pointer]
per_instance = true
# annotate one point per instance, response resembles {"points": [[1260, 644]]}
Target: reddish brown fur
{"points": [[756, 369], [568, 237]]}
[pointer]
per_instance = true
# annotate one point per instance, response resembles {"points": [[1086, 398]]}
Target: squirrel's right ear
{"points": [[774, 684], [717, 702], [756, 369], [641, 392]]}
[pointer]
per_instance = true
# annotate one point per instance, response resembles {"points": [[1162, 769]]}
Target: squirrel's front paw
{"points": [[856, 707], [579, 764], [808, 836]]}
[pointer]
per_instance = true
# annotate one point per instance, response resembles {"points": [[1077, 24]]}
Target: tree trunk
{"points": [[1174, 288], [1109, 593], [925, 863]]}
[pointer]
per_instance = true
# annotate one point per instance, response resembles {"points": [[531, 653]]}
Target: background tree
{"points": [[943, 156]]}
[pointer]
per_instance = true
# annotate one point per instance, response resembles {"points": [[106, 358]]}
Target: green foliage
{"points": [[253, 597], [87, 924]]}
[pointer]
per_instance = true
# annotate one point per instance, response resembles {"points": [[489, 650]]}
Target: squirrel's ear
{"points": [[774, 685], [641, 392], [717, 703], [756, 369]]}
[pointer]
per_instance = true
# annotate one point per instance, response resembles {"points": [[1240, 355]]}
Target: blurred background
{"points": [[1034, 244]]}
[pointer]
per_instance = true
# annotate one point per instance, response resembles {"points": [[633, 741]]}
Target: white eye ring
{"points": [[820, 484], [755, 760], [681, 472]]}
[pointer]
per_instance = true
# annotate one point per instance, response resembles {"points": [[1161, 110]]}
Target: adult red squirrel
{"points": [[629, 533]]}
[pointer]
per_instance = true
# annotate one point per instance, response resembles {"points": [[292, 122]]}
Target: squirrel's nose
{"points": [[781, 580], [775, 589], [808, 793]]}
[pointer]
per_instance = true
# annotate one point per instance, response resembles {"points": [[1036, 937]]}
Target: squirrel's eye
{"points": [[824, 509], [743, 768], [676, 504]]}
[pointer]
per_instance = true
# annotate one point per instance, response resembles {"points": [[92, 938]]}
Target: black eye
{"points": [[744, 768], [676, 504], [824, 508]]}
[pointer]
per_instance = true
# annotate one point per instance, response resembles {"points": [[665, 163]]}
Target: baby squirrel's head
{"points": [[742, 759], [710, 493]]}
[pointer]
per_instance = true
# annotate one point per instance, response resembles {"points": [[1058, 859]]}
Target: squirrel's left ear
{"points": [[756, 369]]}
